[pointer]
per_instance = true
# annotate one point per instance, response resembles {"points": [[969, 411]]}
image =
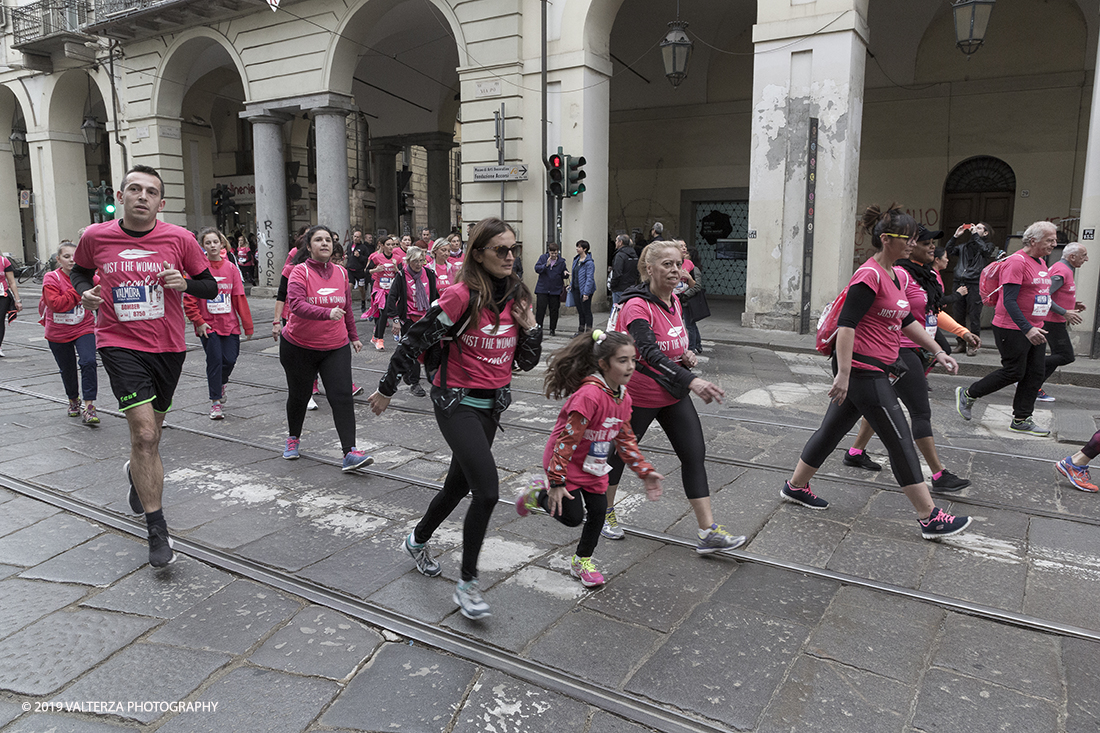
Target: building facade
{"points": [[793, 116]]}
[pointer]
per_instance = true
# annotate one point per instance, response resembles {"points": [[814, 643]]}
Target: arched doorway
{"points": [[982, 188]]}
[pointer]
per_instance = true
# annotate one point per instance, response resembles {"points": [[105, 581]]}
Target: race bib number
{"points": [[1042, 305], [138, 302], [219, 304], [385, 282], [595, 462], [931, 324], [70, 318]]}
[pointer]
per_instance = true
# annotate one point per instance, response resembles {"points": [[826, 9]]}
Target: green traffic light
{"points": [[109, 207]]}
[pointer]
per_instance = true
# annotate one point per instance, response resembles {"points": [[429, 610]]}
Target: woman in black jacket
{"points": [[411, 295]]}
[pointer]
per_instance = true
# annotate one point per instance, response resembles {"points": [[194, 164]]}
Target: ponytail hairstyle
{"points": [[893, 220], [478, 280], [569, 365]]}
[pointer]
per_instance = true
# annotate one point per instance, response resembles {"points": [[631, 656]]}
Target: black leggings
{"points": [[1092, 448], [380, 322], [912, 390], [302, 367], [681, 424], [573, 513], [7, 303], [1061, 348], [469, 432], [1022, 363], [874, 398], [584, 311]]}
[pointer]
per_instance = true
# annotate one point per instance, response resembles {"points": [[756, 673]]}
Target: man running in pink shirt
{"points": [[141, 263]]}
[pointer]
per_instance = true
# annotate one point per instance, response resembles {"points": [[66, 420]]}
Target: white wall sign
{"points": [[141, 132], [170, 132], [484, 89]]}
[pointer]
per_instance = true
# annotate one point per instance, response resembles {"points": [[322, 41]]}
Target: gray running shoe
{"points": [[425, 563], [611, 529], [470, 603], [718, 539], [1027, 425], [963, 402]]}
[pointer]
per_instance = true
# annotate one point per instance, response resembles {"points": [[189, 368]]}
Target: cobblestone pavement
{"points": [[91, 638]]}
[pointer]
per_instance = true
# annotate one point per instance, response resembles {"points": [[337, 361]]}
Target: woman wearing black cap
{"points": [[924, 292]]}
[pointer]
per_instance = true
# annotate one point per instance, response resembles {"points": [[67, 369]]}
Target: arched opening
{"points": [[399, 60], [16, 183], [681, 155], [201, 85], [982, 188]]}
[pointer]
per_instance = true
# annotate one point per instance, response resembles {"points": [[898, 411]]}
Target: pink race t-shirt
{"points": [[383, 279], [138, 312], [672, 340], [313, 290], [1065, 296], [5, 263], [484, 360], [66, 326], [878, 332], [605, 416], [1033, 277], [218, 312], [918, 306], [444, 274]]}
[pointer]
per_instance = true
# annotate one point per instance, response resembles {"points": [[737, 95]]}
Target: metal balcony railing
{"points": [[105, 8], [41, 20]]}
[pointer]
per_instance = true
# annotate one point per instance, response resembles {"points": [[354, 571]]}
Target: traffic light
{"points": [[575, 175], [404, 203], [555, 173], [215, 200], [108, 202], [95, 197], [229, 206]]}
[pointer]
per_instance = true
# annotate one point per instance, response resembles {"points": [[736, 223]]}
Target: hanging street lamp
{"points": [[971, 22], [676, 50]]}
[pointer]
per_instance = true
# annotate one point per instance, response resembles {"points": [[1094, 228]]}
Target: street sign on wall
{"points": [[490, 173]]}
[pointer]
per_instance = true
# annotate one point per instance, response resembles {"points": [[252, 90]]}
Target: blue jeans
{"points": [[71, 354], [221, 357], [616, 297]]}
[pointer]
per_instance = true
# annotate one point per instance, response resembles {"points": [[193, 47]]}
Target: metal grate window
{"points": [[720, 237]]}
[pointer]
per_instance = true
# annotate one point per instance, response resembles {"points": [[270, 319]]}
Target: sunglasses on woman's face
{"points": [[502, 250]]}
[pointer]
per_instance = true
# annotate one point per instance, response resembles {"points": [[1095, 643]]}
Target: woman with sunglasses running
{"points": [[471, 380], [875, 313]]}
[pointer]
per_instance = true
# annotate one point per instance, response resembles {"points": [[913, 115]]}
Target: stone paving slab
{"points": [[143, 671], [421, 686], [318, 642], [23, 601], [952, 702], [824, 696], [687, 671], [800, 535], [41, 541], [63, 646], [1081, 662], [231, 620], [777, 593], [498, 702], [62, 724], [23, 512], [663, 589], [595, 647], [882, 559], [886, 635], [364, 567], [163, 593], [252, 699]]}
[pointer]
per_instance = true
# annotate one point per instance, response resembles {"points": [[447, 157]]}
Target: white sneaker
{"points": [[312, 404], [468, 597]]}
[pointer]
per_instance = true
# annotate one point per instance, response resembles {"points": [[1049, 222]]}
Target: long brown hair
{"points": [[569, 365], [478, 279]]}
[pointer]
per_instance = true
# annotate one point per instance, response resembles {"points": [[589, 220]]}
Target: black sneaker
{"points": [[417, 391], [941, 524], [1027, 425], [861, 461], [135, 502], [160, 547], [949, 482], [802, 496]]}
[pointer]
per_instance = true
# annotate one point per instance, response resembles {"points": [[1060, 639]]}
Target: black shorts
{"points": [[139, 377]]}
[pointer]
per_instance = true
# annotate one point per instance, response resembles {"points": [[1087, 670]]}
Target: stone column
{"points": [[10, 215], [60, 199], [797, 75], [332, 170], [271, 215], [385, 186], [1084, 336], [439, 184]]}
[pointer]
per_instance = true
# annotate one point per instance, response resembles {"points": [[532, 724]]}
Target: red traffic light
{"points": [[556, 174], [557, 161]]}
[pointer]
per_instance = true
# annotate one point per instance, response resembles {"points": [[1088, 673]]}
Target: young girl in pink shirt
{"points": [[592, 370]]}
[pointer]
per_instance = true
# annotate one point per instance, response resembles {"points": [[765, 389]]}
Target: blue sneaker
{"points": [[356, 459], [291, 452]]}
